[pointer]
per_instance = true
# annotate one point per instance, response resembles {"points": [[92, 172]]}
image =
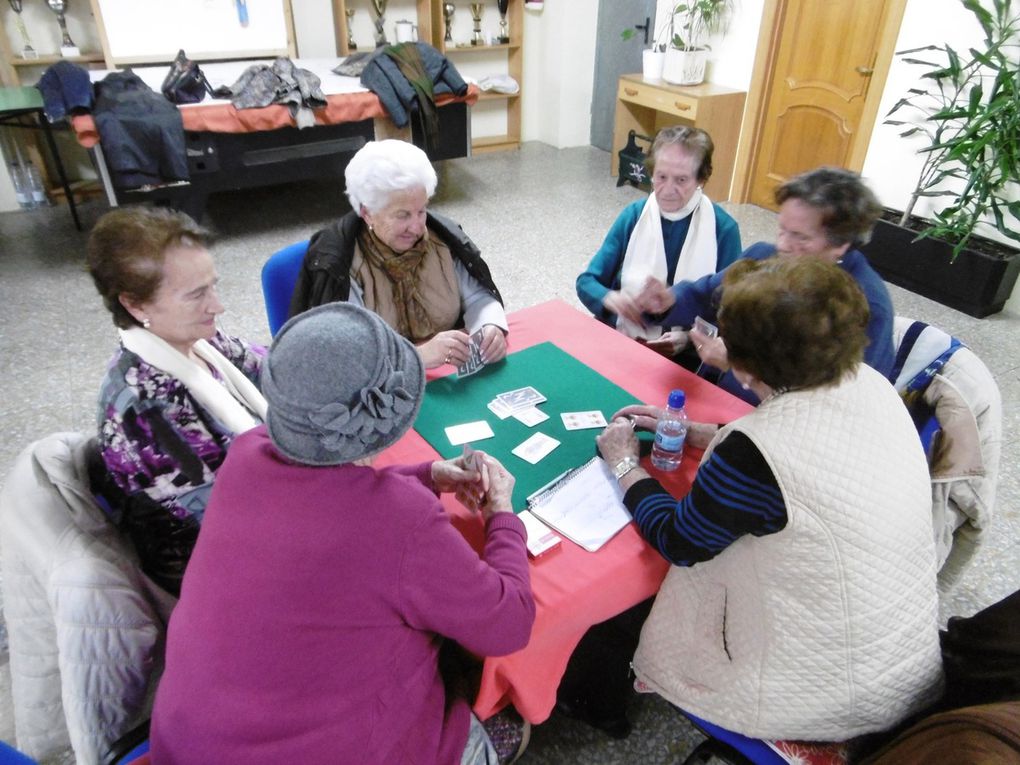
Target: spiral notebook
{"points": [[584, 504]]}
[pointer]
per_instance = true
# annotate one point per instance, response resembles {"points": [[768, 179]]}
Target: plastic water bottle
{"points": [[21, 190], [671, 433], [35, 185]]}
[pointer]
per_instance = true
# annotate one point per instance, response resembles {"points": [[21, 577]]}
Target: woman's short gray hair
{"points": [[382, 167]]}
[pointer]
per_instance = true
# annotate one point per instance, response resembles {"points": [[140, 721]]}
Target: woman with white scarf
{"points": [[177, 391], [675, 234]]}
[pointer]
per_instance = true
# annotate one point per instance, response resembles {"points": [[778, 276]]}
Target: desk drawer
{"points": [[660, 99]]}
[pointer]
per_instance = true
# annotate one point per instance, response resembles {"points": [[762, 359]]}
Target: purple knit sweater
{"points": [[311, 613]]}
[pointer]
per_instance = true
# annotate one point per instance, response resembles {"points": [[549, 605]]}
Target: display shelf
{"points": [[432, 29]]}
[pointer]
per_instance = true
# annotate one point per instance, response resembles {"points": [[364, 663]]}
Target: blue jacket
{"points": [[65, 87]]}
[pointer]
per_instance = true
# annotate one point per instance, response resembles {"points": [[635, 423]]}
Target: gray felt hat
{"points": [[340, 384]]}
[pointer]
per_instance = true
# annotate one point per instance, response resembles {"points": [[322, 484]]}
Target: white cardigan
{"points": [[86, 627], [828, 628]]}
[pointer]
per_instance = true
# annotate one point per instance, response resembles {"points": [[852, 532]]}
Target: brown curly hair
{"points": [[126, 251], [792, 322]]}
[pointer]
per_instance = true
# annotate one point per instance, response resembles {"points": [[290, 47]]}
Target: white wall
{"points": [[891, 165], [559, 66]]}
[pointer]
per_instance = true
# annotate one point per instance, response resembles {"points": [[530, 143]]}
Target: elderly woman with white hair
{"points": [[418, 270]]}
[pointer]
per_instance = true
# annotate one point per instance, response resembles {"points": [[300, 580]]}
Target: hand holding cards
{"points": [[474, 361]]}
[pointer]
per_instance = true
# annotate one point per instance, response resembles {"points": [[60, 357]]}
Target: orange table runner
{"points": [[222, 117]]}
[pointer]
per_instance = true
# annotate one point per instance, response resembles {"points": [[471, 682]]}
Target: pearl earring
{"points": [[146, 323]]}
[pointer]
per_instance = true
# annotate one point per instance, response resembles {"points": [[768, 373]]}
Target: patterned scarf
{"points": [[403, 287]]}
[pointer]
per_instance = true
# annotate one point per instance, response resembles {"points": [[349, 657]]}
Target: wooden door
{"points": [[820, 87]]}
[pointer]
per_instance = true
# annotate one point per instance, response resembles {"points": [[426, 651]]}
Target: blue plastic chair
{"points": [[279, 275], [11, 756], [730, 747]]}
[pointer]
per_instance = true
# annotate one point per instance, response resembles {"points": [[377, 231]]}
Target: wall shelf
{"points": [[432, 29]]}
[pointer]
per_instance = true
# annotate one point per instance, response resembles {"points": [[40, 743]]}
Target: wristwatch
{"points": [[624, 466]]}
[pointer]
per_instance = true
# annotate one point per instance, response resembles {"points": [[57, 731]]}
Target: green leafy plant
{"points": [[968, 109], [687, 25], [694, 20]]}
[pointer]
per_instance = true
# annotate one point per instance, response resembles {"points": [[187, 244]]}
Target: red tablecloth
{"points": [[575, 589]]}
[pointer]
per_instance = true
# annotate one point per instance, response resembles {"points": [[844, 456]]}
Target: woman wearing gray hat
{"points": [[321, 589], [416, 269]]}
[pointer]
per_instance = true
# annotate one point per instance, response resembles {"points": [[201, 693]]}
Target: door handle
{"points": [[864, 71], [645, 27]]}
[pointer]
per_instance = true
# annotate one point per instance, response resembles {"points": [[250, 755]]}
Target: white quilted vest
{"points": [[827, 629]]}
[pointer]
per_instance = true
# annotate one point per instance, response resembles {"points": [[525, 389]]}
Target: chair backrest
{"points": [[965, 399], [85, 627], [279, 275]]}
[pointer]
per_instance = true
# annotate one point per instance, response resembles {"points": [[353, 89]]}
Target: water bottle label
{"points": [[670, 443]]}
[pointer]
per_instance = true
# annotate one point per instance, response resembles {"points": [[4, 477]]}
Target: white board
{"points": [[140, 31]]}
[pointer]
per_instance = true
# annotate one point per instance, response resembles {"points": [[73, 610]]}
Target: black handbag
{"points": [[185, 83]]}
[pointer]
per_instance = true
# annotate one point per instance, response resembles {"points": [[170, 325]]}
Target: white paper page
{"points": [[587, 507]]}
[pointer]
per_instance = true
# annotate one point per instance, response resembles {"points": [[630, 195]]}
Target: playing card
{"points": [[535, 448], [531, 417], [474, 362], [469, 431], [521, 398], [582, 420], [705, 328], [499, 409]]}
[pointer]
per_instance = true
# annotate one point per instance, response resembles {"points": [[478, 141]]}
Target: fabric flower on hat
{"points": [[373, 415]]}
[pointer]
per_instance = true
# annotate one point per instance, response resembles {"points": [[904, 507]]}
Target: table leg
{"points": [[41, 116]]}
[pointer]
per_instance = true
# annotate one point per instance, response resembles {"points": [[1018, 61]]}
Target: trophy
{"points": [[67, 47], [448, 9], [379, 6], [476, 16], [351, 45], [28, 51], [504, 34]]}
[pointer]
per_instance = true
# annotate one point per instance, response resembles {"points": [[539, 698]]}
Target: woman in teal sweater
{"points": [[675, 234]]}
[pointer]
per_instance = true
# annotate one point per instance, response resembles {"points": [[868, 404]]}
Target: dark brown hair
{"points": [[793, 322], [126, 250], [849, 208], [694, 141]]}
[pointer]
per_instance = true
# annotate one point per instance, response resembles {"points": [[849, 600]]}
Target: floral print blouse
{"points": [[161, 450]]}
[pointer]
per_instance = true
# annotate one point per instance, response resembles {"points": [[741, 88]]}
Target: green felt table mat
{"points": [[567, 384]]}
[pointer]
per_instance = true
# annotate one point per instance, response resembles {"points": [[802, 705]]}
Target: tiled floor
{"points": [[537, 215]]}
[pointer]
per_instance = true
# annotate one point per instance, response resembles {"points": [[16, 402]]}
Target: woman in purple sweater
{"points": [[321, 589]]}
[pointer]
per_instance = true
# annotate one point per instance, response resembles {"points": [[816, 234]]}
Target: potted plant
{"points": [[967, 109], [690, 23]]}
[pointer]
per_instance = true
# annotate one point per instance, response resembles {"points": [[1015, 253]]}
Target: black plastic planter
{"points": [[977, 283]]}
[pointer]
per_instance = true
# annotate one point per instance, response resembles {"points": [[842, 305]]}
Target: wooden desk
{"points": [[647, 106], [575, 589]]}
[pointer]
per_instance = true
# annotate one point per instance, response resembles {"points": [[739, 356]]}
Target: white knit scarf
{"points": [[226, 401], [646, 252]]}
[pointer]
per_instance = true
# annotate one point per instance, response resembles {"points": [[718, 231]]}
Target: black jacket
{"points": [[325, 275], [142, 133]]}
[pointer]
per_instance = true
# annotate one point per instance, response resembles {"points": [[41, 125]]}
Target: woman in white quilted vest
{"points": [[801, 603]]}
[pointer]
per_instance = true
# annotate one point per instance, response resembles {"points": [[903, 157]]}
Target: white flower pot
{"points": [[652, 62], [684, 67]]}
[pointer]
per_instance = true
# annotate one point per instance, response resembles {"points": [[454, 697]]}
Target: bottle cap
{"points": [[677, 399]]}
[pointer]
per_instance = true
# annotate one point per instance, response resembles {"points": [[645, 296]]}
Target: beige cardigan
{"points": [[828, 628]]}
